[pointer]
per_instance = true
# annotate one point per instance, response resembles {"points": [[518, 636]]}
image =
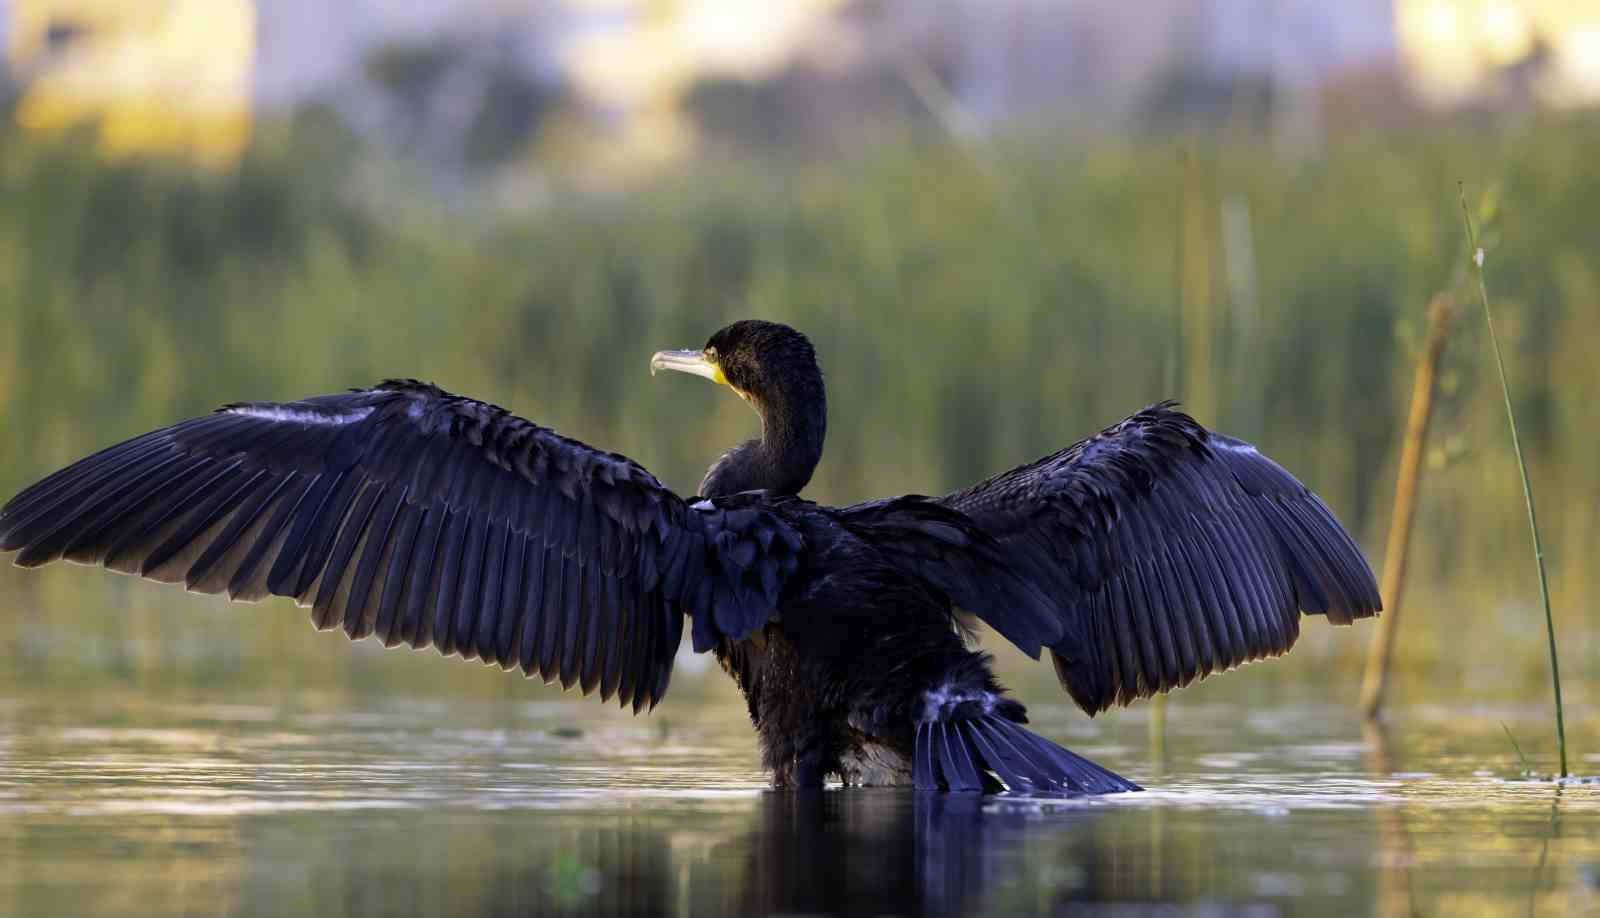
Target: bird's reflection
{"points": [[835, 852], [879, 852], [844, 853], [838, 852]]}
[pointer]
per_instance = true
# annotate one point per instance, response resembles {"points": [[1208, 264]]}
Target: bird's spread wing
{"points": [[426, 519], [1166, 552]]}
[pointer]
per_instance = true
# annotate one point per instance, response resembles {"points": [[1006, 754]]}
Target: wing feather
{"points": [[572, 609], [366, 590], [331, 580], [260, 541], [555, 588], [395, 573], [313, 511], [495, 631], [469, 586], [182, 527], [533, 601], [421, 577]]}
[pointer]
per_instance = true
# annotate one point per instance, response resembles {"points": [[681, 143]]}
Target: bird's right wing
{"points": [[1165, 552], [427, 519]]}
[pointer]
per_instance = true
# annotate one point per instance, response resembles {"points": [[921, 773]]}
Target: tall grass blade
{"points": [[1526, 768], [1522, 467]]}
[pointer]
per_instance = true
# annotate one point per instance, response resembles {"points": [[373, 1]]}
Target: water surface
{"points": [[412, 804]]}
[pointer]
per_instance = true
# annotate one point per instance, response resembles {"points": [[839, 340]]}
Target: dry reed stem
{"points": [[1381, 649]]}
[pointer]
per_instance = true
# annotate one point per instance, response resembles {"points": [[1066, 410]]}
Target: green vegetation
{"points": [[974, 308], [1522, 473], [1517, 747]]}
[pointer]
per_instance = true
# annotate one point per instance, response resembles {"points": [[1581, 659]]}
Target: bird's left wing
{"points": [[426, 519], [1165, 552]]}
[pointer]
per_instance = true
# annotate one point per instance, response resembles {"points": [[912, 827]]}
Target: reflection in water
{"points": [[830, 852], [836, 852], [512, 810], [1394, 870], [1544, 849], [882, 852]]}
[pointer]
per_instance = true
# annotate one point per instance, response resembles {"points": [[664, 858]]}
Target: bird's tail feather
{"points": [[970, 753]]}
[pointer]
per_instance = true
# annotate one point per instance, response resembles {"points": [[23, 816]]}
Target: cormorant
{"points": [[1142, 558]]}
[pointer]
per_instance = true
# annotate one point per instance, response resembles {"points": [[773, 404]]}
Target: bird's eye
{"points": [[711, 353]]}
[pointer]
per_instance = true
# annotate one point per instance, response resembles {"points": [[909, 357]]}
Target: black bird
{"points": [[1143, 558]]}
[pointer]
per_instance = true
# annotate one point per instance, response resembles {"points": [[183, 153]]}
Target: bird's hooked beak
{"points": [[695, 362]]}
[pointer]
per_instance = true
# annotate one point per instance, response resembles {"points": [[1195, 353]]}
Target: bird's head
{"points": [[774, 368], [766, 363]]}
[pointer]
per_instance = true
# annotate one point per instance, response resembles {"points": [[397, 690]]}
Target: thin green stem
{"points": [[1522, 467], [1526, 768]]}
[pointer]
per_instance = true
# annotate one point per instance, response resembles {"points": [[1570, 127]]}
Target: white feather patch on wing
{"points": [[300, 415]]}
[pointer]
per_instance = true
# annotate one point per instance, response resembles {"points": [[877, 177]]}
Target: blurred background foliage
{"points": [[974, 307], [978, 298]]}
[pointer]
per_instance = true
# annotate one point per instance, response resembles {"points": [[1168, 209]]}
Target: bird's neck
{"points": [[782, 460], [792, 444]]}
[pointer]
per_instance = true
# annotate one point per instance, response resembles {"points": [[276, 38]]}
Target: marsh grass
{"points": [[1477, 257], [970, 316], [1517, 747]]}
